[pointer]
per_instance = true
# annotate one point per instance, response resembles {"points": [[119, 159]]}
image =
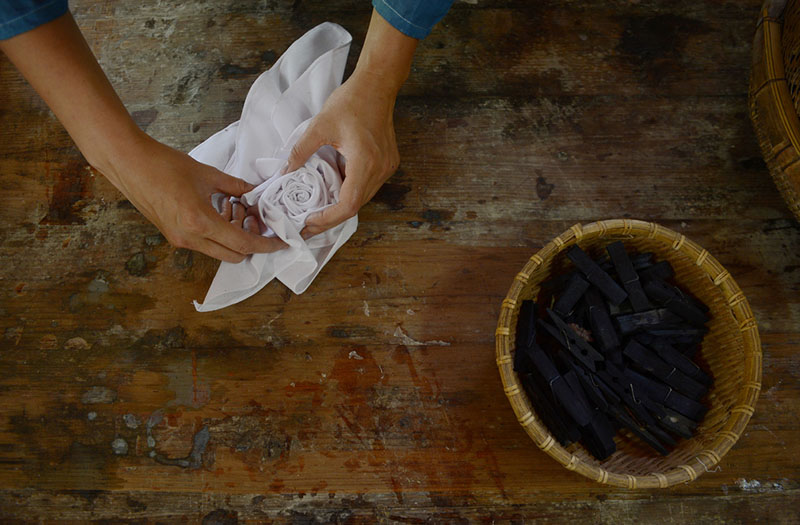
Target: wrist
{"points": [[385, 59], [375, 83], [112, 155]]}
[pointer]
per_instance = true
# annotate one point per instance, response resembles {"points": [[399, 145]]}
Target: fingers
{"points": [[233, 238], [304, 148], [217, 251], [224, 183], [251, 225], [226, 210], [347, 207], [237, 214], [238, 240]]}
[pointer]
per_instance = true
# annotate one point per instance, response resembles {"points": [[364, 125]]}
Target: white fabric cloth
{"points": [[277, 110]]}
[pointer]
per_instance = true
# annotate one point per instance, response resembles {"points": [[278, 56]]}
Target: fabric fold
{"points": [[275, 114]]}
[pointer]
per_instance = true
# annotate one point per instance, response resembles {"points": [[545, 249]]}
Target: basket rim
{"points": [[746, 399], [768, 56], [776, 76]]}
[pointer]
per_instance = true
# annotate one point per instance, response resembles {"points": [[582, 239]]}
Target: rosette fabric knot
{"points": [[300, 193], [275, 114]]}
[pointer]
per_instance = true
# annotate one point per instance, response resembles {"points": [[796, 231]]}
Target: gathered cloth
{"points": [[276, 112]]}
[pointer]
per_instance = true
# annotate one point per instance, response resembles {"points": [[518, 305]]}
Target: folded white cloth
{"points": [[276, 112]]}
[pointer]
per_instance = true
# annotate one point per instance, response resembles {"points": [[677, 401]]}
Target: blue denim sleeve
{"points": [[414, 18], [18, 16]]}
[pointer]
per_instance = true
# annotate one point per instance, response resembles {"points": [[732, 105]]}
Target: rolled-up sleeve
{"points": [[18, 16], [414, 18]]}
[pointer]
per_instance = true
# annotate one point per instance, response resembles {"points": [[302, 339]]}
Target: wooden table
{"points": [[374, 396]]}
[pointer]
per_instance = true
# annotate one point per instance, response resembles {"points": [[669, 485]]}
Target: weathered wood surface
{"points": [[374, 396]]}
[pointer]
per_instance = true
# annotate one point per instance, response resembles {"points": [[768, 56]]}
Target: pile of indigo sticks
{"points": [[615, 349]]}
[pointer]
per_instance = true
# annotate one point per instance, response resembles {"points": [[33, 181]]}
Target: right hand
{"points": [[357, 121], [174, 192]]}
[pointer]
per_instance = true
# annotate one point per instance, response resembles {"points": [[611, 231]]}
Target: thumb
{"points": [[230, 185], [305, 146]]}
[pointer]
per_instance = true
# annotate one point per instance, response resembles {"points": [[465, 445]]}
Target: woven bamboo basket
{"points": [[731, 352], [775, 95]]}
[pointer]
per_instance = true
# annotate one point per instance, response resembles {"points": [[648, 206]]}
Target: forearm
{"points": [[386, 57], [170, 188], [58, 63]]}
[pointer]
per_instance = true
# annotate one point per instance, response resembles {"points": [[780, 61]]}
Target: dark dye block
{"points": [[556, 284], [640, 261], [638, 430], [565, 432], [522, 363], [552, 331], [614, 355], [568, 402], [676, 423], [574, 383], [620, 309], [628, 276], [674, 357], [603, 383], [596, 275], [544, 366], [678, 418], [687, 345], [526, 325], [654, 426], [525, 336], [686, 298], [689, 350], [573, 293], [590, 388], [575, 344], [600, 321], [637, 400], [666, 373], [598, 436], [616, 379], [560, 388], [681, 336], [668, 296], [661, 270], [668, 397], [573, 401], [650, 319], [522, 360]]}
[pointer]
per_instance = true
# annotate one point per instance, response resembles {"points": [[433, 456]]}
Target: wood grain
{"points": [[374, 396]]}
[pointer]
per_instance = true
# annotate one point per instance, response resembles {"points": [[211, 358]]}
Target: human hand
{"points": [[357, 120], [170, 188], [174, 192], [241, 216]]}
